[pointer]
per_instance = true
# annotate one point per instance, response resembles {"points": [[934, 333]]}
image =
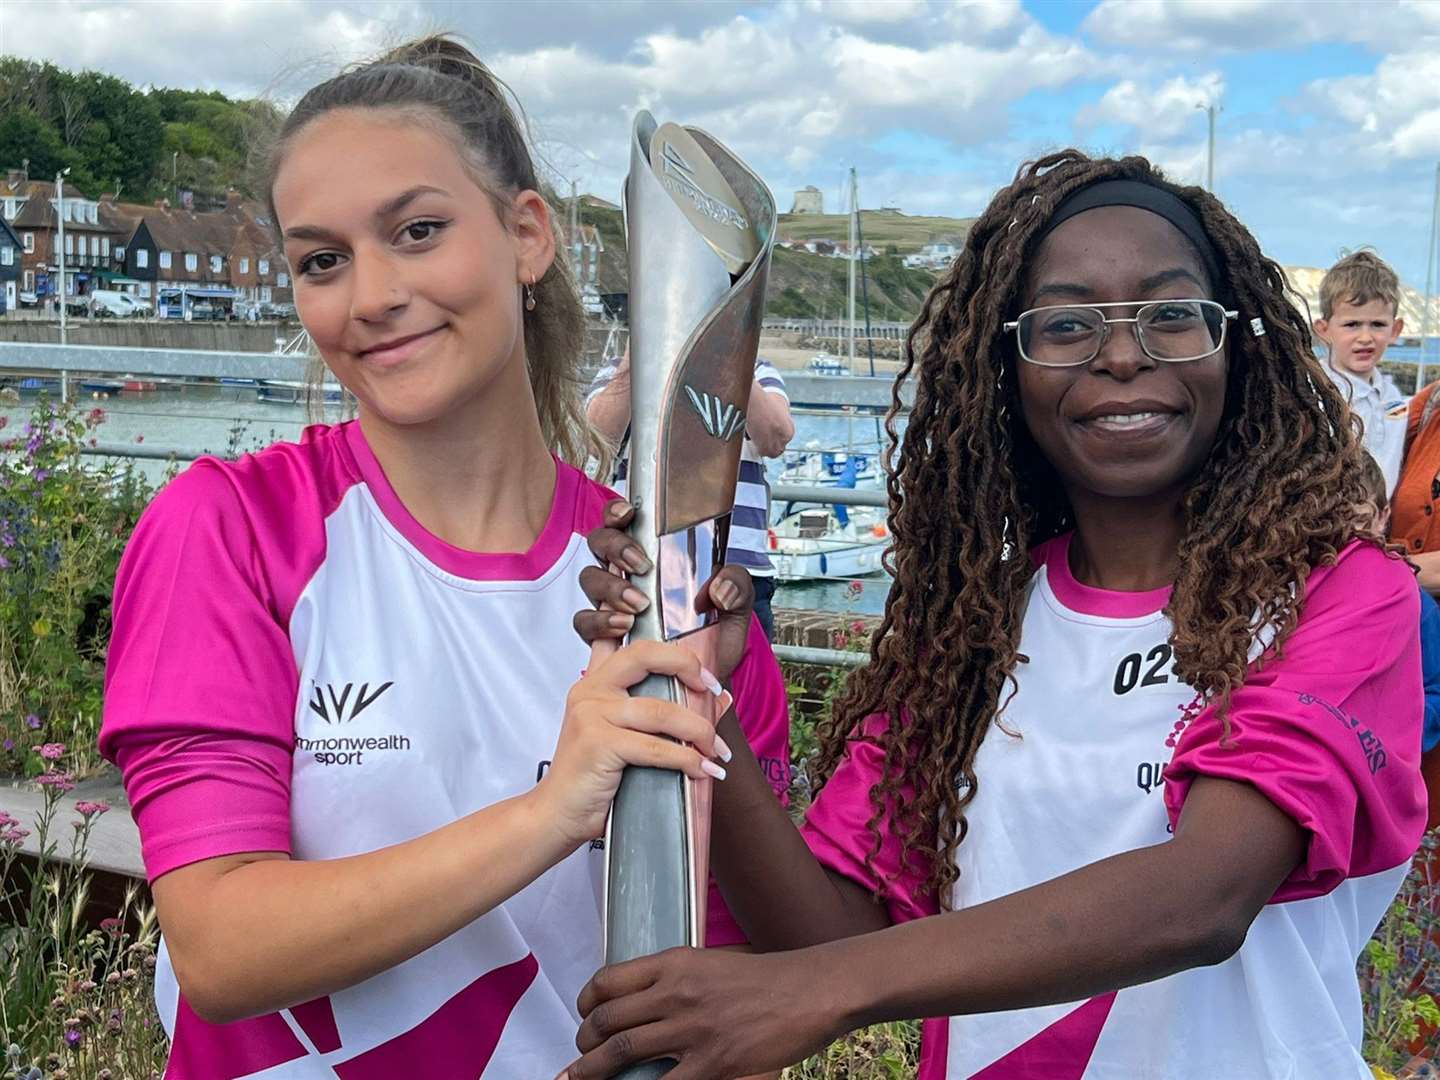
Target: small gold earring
{"points": [[530, 295]]}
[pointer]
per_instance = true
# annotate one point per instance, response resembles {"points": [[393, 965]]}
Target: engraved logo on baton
{"points": [[720, 420]]}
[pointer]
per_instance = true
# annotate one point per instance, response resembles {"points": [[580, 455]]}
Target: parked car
{"points": [[29, 299], [277, 311]]}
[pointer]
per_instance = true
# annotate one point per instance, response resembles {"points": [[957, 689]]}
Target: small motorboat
{"points": [[816, 543], [294, 392], [825, 364]]}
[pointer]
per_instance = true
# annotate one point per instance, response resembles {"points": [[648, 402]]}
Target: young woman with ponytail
{"points": [[367, 764]]}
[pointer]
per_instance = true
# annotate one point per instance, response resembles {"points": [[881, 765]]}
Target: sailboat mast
{"points": [[1429, 285], [850, 277]]}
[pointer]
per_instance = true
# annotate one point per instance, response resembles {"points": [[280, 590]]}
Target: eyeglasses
{"points": [[1174, 331]]}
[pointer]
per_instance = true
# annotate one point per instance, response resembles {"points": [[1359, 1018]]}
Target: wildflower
{"points": [[41, 475], [94, 416], [62, 782], [4, 420], [13, 835], [855, 588], [113, 979], [51, 751], [4, 563], [113, 928], [139, 438], [87, 985], [6, 820], [8, 744], [40, 628], [91, 808], [32, 722], [857, 627]]}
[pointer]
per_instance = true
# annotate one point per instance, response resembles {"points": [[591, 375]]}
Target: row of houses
{"points": [[168, 256]]}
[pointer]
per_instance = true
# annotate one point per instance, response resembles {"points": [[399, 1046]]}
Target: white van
{"points": [[107, 302]]}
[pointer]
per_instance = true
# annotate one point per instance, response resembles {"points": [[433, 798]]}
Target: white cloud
{"points": [[1158, 112], [1245, 25], [1396, 108], [240, 48]]}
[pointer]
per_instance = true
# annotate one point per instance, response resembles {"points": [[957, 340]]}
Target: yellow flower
{"points": [[40, 627]]}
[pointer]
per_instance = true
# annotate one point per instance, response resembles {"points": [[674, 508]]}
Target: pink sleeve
{"points": [[838, 832], [200, 681], [1330, 732], [763, 709]]}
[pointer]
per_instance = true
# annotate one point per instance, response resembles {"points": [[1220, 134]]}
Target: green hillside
{"points": [[882, 229], [802, 286]]}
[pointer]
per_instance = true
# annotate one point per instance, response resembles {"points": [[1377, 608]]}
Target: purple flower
{"points": [[73, 1037], [62, 782], [51, 751], [88, 808], [13, 835], [32, 722], [41, 475], [9, 744]]}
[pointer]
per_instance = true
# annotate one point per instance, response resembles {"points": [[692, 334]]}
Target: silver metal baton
{"points": [[700, 229]]}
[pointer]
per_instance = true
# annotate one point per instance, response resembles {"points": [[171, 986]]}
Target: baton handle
{"points": [[649, 904]]}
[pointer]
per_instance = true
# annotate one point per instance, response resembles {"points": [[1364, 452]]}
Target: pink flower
{"points": [[856, 588], [94, 416], [13, 836], [139, 438], [88, 808], [51, 751], [112, 926], [62, 782]]}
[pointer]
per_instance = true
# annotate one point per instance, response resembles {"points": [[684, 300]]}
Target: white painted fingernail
{"points": [[714, 770], [711, 683], [722, 751]]}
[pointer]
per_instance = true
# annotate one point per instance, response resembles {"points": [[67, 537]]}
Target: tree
{"points": [[132, 139], [24, 135]]}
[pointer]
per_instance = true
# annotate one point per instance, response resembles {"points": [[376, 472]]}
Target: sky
{"points": [[1327, 135]]}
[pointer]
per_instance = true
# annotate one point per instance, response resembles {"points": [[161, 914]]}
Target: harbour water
{"points": [[229, 420]]}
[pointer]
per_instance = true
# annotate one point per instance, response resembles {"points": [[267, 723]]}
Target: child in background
{"points": [[1359, 304]]}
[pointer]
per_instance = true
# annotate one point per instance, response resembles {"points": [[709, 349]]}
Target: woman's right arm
{"points": [[251, 933], [255, 932]]}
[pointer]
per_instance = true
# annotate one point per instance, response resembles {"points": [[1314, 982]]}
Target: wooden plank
{"points": [[114, 845]]}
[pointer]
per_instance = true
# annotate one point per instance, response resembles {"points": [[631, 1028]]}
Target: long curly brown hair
{"points": [[970, 495]]}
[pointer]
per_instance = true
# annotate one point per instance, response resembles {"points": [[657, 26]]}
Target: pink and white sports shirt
{"points": [[298, 666], [1100, 763]]}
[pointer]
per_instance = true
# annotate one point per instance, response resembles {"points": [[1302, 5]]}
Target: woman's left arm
{"points": [[1129, 919]]}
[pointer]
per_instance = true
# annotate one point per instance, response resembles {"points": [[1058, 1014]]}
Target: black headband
{"points": [[1144, 197]]}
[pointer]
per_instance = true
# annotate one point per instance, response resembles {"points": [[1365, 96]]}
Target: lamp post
{"points": [[60, 259], [1210, 110]]}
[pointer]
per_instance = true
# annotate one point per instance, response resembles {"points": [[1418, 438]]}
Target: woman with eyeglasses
{"points": [[1131, 775]]}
